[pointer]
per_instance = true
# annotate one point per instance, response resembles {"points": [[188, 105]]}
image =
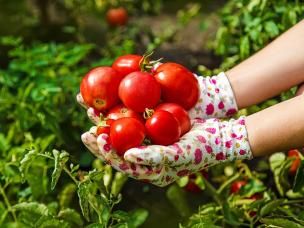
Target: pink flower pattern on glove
{"points": [[216, 98]]}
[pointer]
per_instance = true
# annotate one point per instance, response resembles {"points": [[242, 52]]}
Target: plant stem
{"points": [[228, 182], [72, 177], [9, 206], [213, 192]]}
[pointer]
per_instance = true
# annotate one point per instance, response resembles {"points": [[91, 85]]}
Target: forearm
{"points": [[278, 128], [274, 69]]}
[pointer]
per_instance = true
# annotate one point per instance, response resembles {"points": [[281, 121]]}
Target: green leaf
{"points": [[70, 216], [118, 182], [26, 161], [33, 207], [67, 194], [60, 160], [299, 179], [83, 193], [138, 217], [272, 29], [279, 222], [270, 207]]}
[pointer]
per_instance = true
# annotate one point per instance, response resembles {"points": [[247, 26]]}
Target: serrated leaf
{"points": [[70, 216], [28, 158], [32, 207], [60, 160], [279, 222], [83, 192]]}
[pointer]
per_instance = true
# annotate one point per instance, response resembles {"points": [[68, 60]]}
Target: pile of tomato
{"points": [[139, 101]]}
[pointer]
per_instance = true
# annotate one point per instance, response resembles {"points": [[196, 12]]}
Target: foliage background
{"points": [[46, 46]]}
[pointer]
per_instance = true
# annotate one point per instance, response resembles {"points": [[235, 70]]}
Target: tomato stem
{"points": [[148, 113]]}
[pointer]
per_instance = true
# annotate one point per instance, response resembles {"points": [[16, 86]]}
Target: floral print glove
{"points": [[216, 98], [208, 143]]}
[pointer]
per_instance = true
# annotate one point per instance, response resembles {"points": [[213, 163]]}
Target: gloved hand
{"points": [[206, 144]]}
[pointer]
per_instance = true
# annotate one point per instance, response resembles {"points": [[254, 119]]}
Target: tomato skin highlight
{"points": [[121, 111], [139, 90], [117, 16], [179, 113], [99, 88], [237, 185], [163, 128], [296, 162], [126, 133], [127, 64], [178, 85]]}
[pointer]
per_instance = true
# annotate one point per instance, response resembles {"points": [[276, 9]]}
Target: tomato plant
{"points": [[178, 84], [126, 133], [163, 128], [99, 88], [139, 90]]}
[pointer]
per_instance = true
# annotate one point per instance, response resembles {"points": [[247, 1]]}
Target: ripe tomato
{"points": [[139, 90], [99, 88], [296, 162], [121, 111], [103, 130], [179, 113], [163, 128], [117, 16], [126, 133], [237, 185], [104, 127], [127, 64], [178, 84]]}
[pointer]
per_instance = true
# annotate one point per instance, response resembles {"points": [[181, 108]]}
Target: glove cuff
{"points": [[235, 144], [216, 99]]}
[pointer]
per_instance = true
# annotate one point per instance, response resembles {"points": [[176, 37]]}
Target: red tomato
{"points": [[139, 90], [163, 128], [178, 85], [104, 128], [99, 88], [237, 185], [126, 133], [127, 64], [296, 162], [121, 111], [179, 113], [117, 16]]}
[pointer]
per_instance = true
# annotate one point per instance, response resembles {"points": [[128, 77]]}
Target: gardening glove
{"points": [[208, 142], [216, 98]]}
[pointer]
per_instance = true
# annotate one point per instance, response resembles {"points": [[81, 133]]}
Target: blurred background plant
{"points": [[49, 179]]}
